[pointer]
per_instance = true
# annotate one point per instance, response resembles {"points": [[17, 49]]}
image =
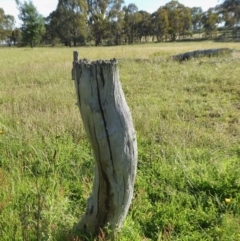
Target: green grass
{"points": [[187, 118]]}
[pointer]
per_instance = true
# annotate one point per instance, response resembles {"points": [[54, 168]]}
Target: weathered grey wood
{"points": [[75, 60], [108, 123], [201, 53]]}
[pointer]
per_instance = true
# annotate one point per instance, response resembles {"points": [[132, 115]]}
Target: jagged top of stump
{"points": [[101, 62], [87, 62]]}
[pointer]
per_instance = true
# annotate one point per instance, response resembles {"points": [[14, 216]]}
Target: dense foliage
{"points": [[33, 27], [6, 25], [110, 22]]}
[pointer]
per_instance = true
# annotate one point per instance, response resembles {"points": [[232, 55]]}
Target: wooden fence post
{"points": [[108, 124]]}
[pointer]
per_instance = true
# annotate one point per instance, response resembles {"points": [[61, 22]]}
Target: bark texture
{"points": [[108, 123]]}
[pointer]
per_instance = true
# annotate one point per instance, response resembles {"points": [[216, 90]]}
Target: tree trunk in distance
{"points": [[109, 126], [201, 53]]}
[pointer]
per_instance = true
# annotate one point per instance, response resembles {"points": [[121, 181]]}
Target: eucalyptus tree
{"points": [[68, 21], [160, 24], [2, 24], [173, 8], [210, 20], [103, 16], [98, 19], [185, 23], [130, 21], [230, 12], [9, 26], [7, 23], [33, 27], [143, 24], [53, 35], [196, 13], [116, 20], [179, 18], [16, 36]]}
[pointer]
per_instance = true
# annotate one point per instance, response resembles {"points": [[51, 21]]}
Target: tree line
{"points": [[110, 22]]}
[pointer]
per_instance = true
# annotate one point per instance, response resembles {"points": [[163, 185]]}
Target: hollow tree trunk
{"points": [[108, 123]]}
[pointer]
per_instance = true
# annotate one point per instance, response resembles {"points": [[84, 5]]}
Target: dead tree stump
{"points": [[108, 124]]}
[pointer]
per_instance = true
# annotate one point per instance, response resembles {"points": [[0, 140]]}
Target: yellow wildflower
{"points": [[227, 200]]}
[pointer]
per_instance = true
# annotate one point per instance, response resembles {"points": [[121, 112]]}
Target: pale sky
{"points": [[45, 7]]}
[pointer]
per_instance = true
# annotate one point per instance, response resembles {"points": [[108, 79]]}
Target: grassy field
{"points": [[187, 118]]}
